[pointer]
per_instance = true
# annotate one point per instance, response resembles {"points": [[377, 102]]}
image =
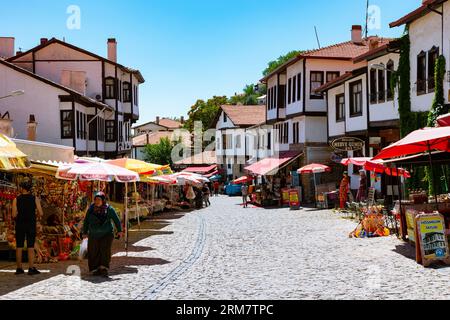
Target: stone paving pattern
{"points": [[228, 252]]}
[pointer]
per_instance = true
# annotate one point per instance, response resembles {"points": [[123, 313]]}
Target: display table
{"points": [[406, 206]]}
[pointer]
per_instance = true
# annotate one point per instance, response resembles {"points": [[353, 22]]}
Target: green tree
{"points": [[205, 112], [160, 153], [272, 65]]}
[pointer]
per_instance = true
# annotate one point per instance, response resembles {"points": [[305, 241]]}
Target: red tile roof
{"points": [[201, 170], [378, 51], [169, 123], [245, 115], [153, 138], [341, 51], [416, 14]]}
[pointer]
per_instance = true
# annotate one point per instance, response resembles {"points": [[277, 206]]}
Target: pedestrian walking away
{"points": [[216, 188], [24, 209], [206, 194], [98, 227], [244, 190]]}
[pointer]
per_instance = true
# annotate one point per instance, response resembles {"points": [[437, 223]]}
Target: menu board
{"points": [[285, 196], [431, 240], [294, 199]]}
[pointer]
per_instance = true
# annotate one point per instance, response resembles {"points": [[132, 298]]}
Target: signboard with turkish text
{"points": [[431, 239], [285, 197], [294, 199], [348, 144]]}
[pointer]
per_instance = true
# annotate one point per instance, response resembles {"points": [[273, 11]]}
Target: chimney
{"points": [[44, 41], [157, 120], [6, 125], [112, 49], [357, 34], [31, 128], [373, 43], [182, 119], [7, 47]]}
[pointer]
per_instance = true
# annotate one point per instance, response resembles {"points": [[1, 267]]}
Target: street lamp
{"points": [[378, 66], [14, 94]]}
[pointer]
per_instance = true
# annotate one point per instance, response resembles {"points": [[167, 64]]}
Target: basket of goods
{"points": [[418, 196]]}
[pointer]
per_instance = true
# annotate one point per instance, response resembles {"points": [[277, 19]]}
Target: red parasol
{"points": [[314, 168], [423, 140], [242, 180]]}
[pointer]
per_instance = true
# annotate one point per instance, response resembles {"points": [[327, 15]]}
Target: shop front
{"points": [[276, 177]]}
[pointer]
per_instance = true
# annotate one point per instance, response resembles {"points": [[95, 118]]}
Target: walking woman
{"points": [[343, 190], [99, 227], [26, 209]]}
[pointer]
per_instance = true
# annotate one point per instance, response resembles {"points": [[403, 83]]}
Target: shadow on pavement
{"points": [[406, 250], [409, 251], [119, 265]]}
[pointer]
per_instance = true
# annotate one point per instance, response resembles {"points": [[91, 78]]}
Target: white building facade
{"points": [[97, 79]]}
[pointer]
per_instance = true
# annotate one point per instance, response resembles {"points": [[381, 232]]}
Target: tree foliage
{"points": [[250, 95], [205, 112], [273, 65], [160, 153]]}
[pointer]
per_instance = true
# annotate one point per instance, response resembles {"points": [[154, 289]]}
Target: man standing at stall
{"points": [[24, 209], [343, 190], [362, 191]]}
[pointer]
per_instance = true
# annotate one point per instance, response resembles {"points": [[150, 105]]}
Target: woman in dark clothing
{"points": [[99, 227], [24, 209], [198, 198]]}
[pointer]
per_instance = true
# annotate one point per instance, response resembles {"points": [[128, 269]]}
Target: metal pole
{"points": [[126, 217], [432, 175], [137, 205], [315, 189]]}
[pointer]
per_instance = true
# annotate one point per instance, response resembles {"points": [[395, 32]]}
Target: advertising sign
{"points": [[294, 199], [348, 144], [285, 197], [431, 239]]}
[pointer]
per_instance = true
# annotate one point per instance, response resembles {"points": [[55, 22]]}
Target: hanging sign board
{"points": [[431, 239], [347, 144]]}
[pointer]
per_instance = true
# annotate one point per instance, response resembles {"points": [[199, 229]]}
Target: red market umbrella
{"points": [[397, 172], [444, 121], [356, 161], [243, 179], [423, 140], [314, 168]]}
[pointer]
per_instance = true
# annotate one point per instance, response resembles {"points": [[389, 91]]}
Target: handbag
{"points": [[83, 250]]}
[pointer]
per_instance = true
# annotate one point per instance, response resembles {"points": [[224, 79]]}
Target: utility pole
{"points": [[367, 19]]}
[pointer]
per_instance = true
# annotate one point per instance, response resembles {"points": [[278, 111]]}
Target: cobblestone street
{"points": [[228, 252]]}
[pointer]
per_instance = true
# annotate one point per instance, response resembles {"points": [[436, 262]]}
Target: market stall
{"points": [[11, 159], [424, 216], [276, 176], [101, 172]]}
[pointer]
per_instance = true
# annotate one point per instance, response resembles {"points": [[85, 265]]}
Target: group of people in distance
{"points": [[344, 189]]}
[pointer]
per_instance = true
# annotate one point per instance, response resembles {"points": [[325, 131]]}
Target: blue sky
{"points": [[194, 49]]}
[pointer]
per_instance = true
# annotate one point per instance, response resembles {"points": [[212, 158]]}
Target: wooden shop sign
{"points": [[347, 144]]}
